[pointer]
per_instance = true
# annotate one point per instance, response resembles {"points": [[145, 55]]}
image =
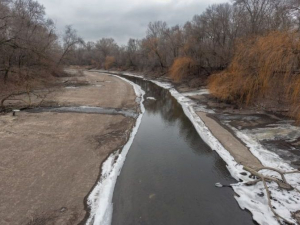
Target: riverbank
{"points": [[51, 161]]}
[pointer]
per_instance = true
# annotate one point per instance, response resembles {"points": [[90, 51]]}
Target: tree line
{"points": [[251, 47], [254, 42], [30, 51], [206, 42]]}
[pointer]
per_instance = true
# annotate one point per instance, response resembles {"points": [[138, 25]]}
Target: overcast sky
{"points": [[120, 19]]}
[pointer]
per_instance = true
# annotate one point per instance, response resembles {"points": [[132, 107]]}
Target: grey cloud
{"points": [[121, 20]]}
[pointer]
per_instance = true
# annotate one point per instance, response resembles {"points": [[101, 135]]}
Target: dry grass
{"points": [[181, 68], [109, 62], [259, 63], [295, 97]]}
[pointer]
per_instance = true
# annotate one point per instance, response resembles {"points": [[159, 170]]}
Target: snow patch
{"points": [[151, 98], [100, 199], [275, 132]]}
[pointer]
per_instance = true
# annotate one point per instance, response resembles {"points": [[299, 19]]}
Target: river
{"points": [[169, 174]]}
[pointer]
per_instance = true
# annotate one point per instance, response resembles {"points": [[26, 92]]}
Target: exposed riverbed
{"points": [[50, 159]]}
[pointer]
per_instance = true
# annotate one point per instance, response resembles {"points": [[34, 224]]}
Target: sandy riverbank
{"points": [[50, 161]]}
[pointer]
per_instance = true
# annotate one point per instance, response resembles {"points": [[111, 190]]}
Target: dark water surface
{"points": [[169, 174]]}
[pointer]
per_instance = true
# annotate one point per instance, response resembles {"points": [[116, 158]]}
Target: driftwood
{"points": [[282, 183]]}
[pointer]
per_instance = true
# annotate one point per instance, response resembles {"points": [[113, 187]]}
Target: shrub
{"points": [[260, 64], [109, 62], [181, 68]]}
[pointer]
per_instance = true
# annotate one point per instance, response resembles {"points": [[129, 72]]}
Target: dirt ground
{"points": [[50, 161], [236, 148]]}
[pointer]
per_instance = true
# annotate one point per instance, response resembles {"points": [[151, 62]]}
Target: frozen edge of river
{"points": [[248, 197], [100, 199]]}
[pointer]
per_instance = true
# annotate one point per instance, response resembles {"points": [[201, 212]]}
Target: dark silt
{"points": [[169, 175]]}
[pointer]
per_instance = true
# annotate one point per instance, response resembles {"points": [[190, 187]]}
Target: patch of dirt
{"points": [[62, 216], [231, 143]]}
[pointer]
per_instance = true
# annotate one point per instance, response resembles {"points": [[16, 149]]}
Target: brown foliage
{"points": [[260, 63], [295, 96], [109, 62], [181, 68]]}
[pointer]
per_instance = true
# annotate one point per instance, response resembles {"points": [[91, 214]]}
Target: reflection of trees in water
{"points": [[166, 106], [171, 111]]}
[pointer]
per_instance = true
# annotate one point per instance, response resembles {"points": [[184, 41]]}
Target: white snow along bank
{"points": [[100, 199]]}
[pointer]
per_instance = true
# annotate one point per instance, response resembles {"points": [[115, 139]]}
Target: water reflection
{"points": [[171, 112], [169, 173]]}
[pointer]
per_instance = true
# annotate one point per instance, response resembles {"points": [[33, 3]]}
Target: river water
{"points": [[169, 175]]}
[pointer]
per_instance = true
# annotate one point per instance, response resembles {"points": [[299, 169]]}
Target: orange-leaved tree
{"points": [[262, 65], [182, 68]]}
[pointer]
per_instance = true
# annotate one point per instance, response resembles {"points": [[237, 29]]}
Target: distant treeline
{"points": [[206, 43], [250, 47]]}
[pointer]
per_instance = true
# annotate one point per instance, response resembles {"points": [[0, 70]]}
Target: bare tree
{"points": [[28, 47], [70, 41]]}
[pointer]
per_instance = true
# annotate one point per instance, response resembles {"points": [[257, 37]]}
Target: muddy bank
{"points": [[50, 161], [236, 148]]}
